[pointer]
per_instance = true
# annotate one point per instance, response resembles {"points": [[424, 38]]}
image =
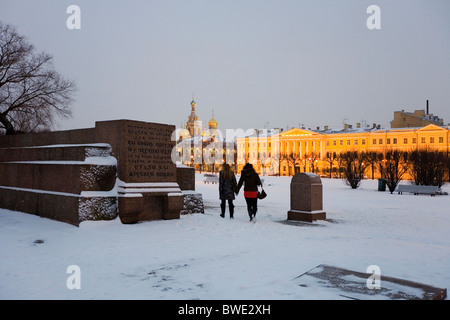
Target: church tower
{"points": [[193, 125]]}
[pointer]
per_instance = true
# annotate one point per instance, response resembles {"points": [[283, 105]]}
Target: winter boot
{"points": [[231, 211], [222, 209]]}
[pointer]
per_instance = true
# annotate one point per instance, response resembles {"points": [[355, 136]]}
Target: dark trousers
{"points": [[230, 206], [252, 206]]}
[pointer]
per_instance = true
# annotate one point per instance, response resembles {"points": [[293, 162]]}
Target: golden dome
{"points": [[212, 124]]}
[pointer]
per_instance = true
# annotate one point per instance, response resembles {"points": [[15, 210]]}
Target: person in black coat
{"points": [[251, 181], [227, 188]]}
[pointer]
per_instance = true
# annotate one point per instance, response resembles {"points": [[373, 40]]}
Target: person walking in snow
{"points": [[227, 188], [251, 181]]}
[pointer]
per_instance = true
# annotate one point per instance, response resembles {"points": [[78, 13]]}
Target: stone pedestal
{"points": [[306, 198]]}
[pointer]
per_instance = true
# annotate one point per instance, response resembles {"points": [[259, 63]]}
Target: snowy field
{"points": [[203, 256]]}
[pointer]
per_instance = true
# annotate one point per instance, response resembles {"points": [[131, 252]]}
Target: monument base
{"points": [[308, 216]]}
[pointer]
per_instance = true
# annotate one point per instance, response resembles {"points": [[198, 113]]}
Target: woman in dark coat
{"points": [[251, 181], [227, 188]]}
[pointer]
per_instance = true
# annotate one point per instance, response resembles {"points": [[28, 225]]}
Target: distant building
{"points": [[202, 144], [418, 118], [194, 125]]}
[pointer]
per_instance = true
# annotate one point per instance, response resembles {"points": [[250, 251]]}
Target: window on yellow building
{"points": [[431, 139], [348, 142], [363, 141], [341, 142], [388, 141], [395, 140], [356, 142], [381, 141], [441, 139], [374, 141], [334, 142], [414, 140], [328, 143], [423, 140], [405, 140]]}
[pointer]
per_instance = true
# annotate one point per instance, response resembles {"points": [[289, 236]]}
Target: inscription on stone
{"points": [[148, 149]]}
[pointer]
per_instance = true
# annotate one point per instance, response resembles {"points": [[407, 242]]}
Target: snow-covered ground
{"points": [[203, 256]]}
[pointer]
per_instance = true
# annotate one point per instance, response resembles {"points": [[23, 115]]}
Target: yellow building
{"points": [[301, 150]]}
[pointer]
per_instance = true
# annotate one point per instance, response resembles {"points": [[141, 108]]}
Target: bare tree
{"points": [[303, 161], [428, 167], [291, 159], [312, 158], [396, 167], [354, 166], [331, 157], [381, 163], [32, 93], [372, 158]]}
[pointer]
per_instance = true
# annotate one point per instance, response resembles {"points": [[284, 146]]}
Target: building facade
{"points": [[301, 150]]}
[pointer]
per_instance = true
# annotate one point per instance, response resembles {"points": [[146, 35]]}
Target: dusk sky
{"points": [[254, 62]]}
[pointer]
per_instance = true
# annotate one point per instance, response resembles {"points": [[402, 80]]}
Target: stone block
{"points": [[69, 208], [306, 198], [96, 207], [186, 177], [193, 202], [130, 208], [59, 177], [173, 204], [55, 153]]}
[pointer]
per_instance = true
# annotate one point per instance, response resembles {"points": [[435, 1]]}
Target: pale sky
{"points": [[254, 62]]}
